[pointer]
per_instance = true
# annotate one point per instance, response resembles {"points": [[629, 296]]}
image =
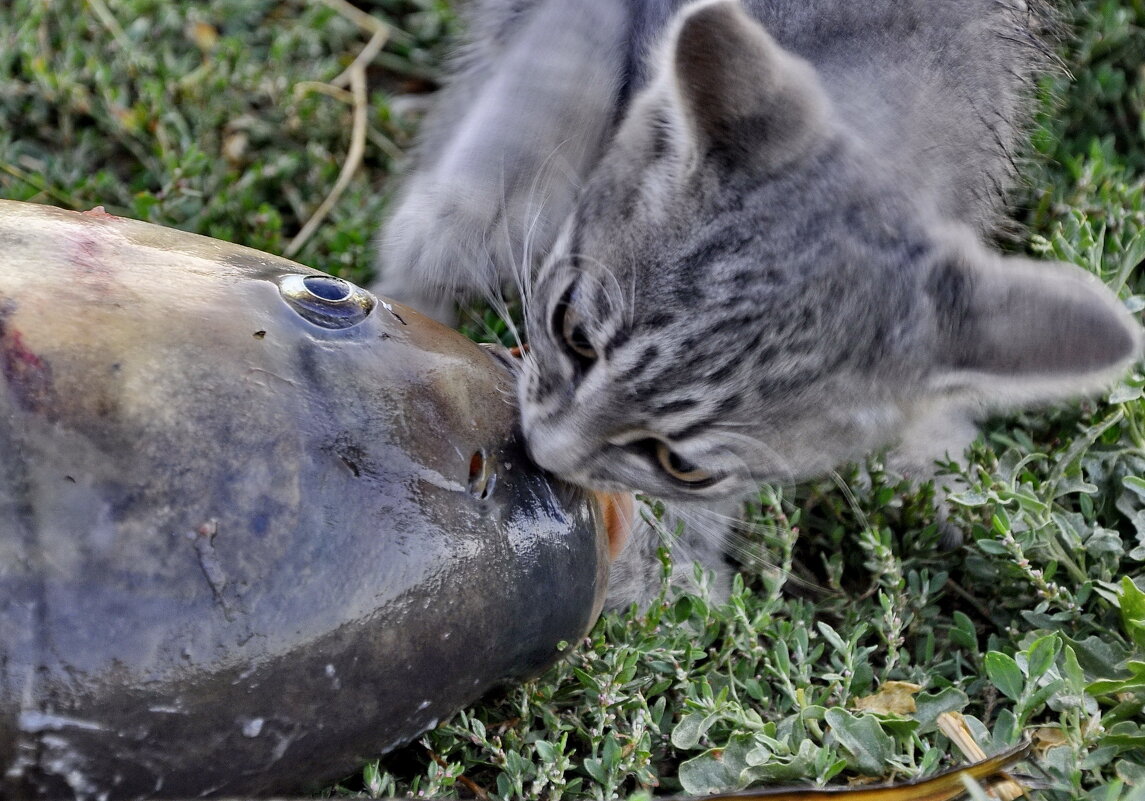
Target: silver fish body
{"points": [[255, 523]]}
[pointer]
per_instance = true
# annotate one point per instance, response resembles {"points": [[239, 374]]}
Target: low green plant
{"points": [[220, 118]]}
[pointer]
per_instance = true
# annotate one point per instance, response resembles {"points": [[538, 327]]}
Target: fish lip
{"points": [[618, 507]]}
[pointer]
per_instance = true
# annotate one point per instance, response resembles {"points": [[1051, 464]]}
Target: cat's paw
{"points": [[438, 304], [945, 484], [950, 536], [441, 246]]}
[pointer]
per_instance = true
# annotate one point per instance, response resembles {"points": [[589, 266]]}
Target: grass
{"points": [[213, 117]]}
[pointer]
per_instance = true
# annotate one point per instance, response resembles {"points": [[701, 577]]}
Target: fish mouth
{"points": [[618, 511], [617, 508]]}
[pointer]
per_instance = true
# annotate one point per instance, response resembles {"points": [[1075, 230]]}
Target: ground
{"points": [[223, 118]]}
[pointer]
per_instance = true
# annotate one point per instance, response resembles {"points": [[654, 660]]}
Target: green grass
{"points": [[200, 116]]}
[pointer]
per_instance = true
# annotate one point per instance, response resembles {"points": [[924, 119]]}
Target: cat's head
{"points": [[743, 293]]}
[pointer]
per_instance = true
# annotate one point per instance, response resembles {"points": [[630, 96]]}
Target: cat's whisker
{"points": [[852, 501], [725, 532], [779, 470], [615, 294], [541, 185], [494, 291], [746, 550], [706, 513], [501, 308], [523, 270], [479, 322]]}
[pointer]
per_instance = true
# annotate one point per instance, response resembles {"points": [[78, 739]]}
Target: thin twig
{"points": [[355, 76], [349, 167], [303, 88], [366, 22], [386, 145], [364, 58], [470, 785]]}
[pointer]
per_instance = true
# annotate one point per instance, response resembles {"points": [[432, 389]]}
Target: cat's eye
{"points": [[569, 328], [678, 467], [673, 464]]}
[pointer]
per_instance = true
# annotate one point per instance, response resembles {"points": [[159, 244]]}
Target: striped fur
{"points": [[757, 230]]}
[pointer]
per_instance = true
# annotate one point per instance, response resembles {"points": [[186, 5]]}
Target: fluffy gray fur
{"points": [[758, 234]]}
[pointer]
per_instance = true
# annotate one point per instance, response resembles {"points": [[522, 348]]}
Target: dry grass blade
{"points": [[357, 78], [954, 726]]}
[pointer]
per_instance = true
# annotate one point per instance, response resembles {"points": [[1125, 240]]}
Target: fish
{"points": [[257, 524]]}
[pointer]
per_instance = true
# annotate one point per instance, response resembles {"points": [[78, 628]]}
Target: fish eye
{"points": [[327, 287], [568, 328], [326, 301], [673, 464]]}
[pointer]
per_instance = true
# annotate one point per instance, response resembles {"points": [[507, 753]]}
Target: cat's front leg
{"points": [[496, 180]]}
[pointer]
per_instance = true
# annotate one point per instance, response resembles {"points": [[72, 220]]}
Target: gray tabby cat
{"points": [[760, 232]]}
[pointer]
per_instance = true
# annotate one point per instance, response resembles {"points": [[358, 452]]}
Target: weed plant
{"points": [[219, 117]]}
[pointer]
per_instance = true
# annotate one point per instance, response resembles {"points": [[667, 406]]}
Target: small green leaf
{"points": [[1000, 521], [1135, 483], [610, 757], [1099, 657], [1071, 669], [928, 706], [1042, 655], [1004, 674], [992, 547], [1127, 734], [832, 637], [1132, 602], [595, 769], [687, 733], [1006, 728], [863, 737], [963, 633], [546, 751], [706, 774], [1135, 682]]}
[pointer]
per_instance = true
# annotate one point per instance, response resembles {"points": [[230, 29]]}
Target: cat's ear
{"points": [[742, 97], [1014, 331]]}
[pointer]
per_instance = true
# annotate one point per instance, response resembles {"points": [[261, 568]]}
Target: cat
{"points": [[759, 231]]}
